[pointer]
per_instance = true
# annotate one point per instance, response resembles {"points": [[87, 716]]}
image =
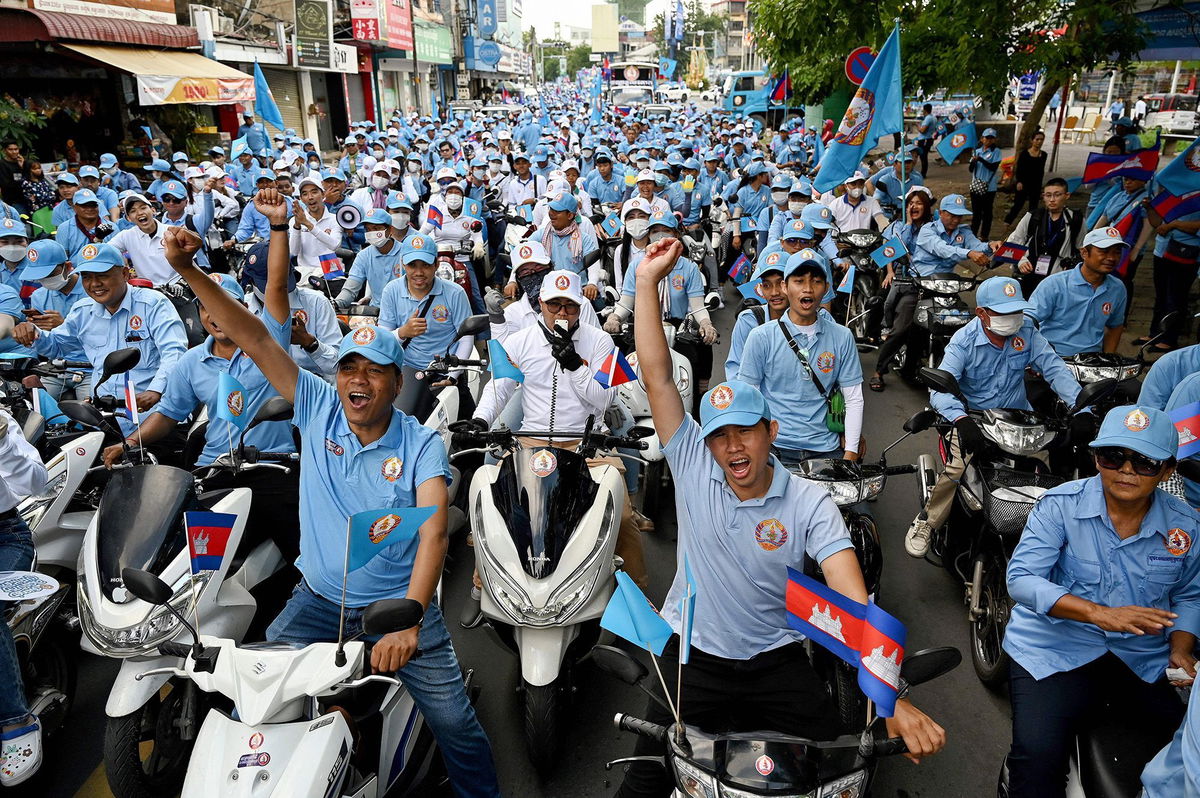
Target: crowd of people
{"points": [[576, 227]]}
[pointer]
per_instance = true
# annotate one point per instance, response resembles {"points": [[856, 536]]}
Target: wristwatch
{"points": [[313, 347]]}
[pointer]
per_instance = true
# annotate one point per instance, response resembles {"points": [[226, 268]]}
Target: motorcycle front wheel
{"points": [[542, 707], [987, 630], [145, 756]]}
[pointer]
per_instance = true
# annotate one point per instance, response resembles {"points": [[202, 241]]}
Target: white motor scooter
{"points": [[302, 721], [545, 525], [139, 525]]}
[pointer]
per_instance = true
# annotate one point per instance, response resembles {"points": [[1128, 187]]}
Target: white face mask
{"points": [[779, 197], [637, 228], [54, 282], [375, 237], [796, 206], [422, 146], [643, 164], [413, 168], [1007, 324], [586, 153], [479, 174], [658, 235], [454, 201], [110, 171], [494, 167], [181, 166], [197, 183], [400, 220], [855, 193], [13, 253], [379, 181]]}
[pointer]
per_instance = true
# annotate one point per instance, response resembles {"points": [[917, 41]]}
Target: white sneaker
{"points": [[21, 754], [916, 541]]}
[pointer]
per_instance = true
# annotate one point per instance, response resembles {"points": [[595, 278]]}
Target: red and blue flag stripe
{"points": [[208, 538], [331, 266]]}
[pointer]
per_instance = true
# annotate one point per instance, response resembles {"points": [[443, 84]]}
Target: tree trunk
{"points": [[1034, 117]]}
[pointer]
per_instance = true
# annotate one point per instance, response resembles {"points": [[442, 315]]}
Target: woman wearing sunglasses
{"points": [[1107, 584]]}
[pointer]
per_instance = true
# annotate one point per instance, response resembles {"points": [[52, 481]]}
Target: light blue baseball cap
{"points": [[564, 202], [230, 284], [180, 156], [755, 169], [172, 188], [804, 258], [798, 229], [1105, 237], [157, 165], [781, 181], [66, 177], [988, 132], [374, 343], [10, 228], [818, 215], [663, 219], [89, 171], [955, 204], [732, 403], [1001, 295], [44, 256], [85, 196], [378, 216], [1141, 428], [98, 258], [334, 174], [771, 262], [419, 247], [397, 201], [108, 160]]}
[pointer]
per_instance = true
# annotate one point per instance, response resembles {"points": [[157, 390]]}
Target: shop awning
{"points": [[28, 24], [171, 76]]}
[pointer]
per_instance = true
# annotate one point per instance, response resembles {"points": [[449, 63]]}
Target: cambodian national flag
{"points": [[888, 251], [863, 635], [1187, 424], [331, 266], [1138, 165], [615, 370], [1010, 253], [740, 265], [435, 216], [208, 538], [781, 89], [131, 408], [1171, 207], [1130, 226]]}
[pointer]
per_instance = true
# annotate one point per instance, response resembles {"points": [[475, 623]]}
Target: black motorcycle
{"points": [[862, 308]]}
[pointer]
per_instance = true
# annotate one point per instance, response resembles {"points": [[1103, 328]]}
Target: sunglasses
{"points": [[554, 306], [1113, 458], [172, 200]]}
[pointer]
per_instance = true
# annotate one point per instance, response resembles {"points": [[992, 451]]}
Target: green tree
{"points": [[947, 46], [579, 58]]}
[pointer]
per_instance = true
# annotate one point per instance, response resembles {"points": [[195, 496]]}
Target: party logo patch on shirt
{"points": [[825, 362], [1106, 308], [770, 534], [392, 468], [135, 322], [677, 282], [1178, 542], [302, 315], [332, 446], [439, 313], [1018, 343]]}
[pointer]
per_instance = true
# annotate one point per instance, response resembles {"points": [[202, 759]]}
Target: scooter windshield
{"points": [[140, 523], [542, 493]]}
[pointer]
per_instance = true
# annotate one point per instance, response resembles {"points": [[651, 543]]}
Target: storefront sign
{"points": [[365, 21], [433, 44], [398, 24], [161, 11], [169, 89], [489, 53], [314, 34], [487, 20]]}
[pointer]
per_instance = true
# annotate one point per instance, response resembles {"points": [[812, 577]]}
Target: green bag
{"points": [[835, 400]]}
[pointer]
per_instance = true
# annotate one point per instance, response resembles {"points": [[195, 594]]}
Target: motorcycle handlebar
{"points": [[70, 364], [908, 468], [889, 747], [642, 727], [173, 649]]}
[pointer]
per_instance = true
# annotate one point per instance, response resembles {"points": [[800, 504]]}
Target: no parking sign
{"points": [[858, 63]]}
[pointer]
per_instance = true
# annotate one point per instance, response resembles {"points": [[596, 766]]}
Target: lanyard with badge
{"points": [[1048, 255]]}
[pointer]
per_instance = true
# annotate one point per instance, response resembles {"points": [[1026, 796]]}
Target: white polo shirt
{"points": [[146, 253]]}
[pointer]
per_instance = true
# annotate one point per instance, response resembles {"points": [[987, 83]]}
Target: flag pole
{"points": [[900, 155], [340, 658], [683, 603], [666, 692]]}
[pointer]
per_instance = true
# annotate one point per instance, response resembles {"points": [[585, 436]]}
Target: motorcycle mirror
{"points": [[612, 294], [616, 662], [1093, 392], [274, 409], [391, 615], [930, 663], [34, 426], [1189, 469], [146, 586], [363, 310], [84, 413], [942, 381], [712, 300], [473, 325], [920, 421], [640, 432], [118, 362]]}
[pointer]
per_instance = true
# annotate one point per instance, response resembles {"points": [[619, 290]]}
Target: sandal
{"points": [[21, 753], [876, 383]]}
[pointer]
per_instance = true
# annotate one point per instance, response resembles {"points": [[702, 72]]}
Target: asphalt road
{"points": [[927, 600]]}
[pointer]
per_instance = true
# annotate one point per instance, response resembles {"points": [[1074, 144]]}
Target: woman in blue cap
{"points": [[1107, 586]]}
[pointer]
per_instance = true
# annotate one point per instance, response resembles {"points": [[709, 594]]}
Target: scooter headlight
{"points": [[693, 781], [1018, 439], [158, 626], [34, 508], [851, 786]]}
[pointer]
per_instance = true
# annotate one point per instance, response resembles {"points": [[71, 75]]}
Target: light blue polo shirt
{"points": [[738, 551], [377, 269], [196, 380], [11, 305], [1175, 771], [1168, 372], [447, 311], [1186, 392], [1073, 315], [60, 303], [683, 283], [340, 477], [939, 250], [1069, 546], [770, 365]]}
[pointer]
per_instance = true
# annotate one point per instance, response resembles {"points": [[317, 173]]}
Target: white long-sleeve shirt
{"points": [[21, 471], [520, 314], [309, 245], [454, 228], [552, 400]]}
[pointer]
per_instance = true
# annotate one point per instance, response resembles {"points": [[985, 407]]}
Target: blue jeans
{"points": [[433, 679], [16, 554]]}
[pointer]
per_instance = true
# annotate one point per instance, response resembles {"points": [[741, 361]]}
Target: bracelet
{"points": [[316, 344], [280, 228]]}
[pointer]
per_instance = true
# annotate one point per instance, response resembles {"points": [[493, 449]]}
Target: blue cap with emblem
{"points": [[66, 177], [172, 188], [374, 343], [85, 196], [377, 216], [1001, 295], [798, 230], [663, 219], [564, 202], [98, 258], [11, 228], [1105, 237], [733, 403], [818, 215], [955, 204], [89, 171], [1143, 429], [157, 165], [44, 256], [771, 262], [782, 181], [108, 160], [807, 257], [229, 283], [419, 248]]}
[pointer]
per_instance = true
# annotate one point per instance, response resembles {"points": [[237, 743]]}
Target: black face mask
{"points": [[532, 286]]}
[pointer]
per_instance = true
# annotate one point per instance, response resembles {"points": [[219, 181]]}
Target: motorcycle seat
{"points": [[1113, 755], [360, 703]]}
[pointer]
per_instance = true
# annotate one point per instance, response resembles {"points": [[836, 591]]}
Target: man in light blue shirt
{"points": [[743, 518], [85, 225], [889, 190], [605, 184], [60, 290], [116, 316], [1083, 309], [89, 177], [926, 131], [1175, 771], [1168, 372], [245, 171], [376, 264], [1106, 581], [360, 454], [988, 357], [941, 244], [115, 177], [67, 184]]}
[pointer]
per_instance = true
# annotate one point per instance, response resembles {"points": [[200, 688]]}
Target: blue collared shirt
{"points": [[889, 191], [447, 310], [44, 299], [1073, 315], [601, 190], [1069, 546], [750, 201], [196, 380], [769, 364], [377, 269], [11, 305], [1175, 771], [340, 477], [738, 551], [683, 283], [146, 319], [1167, 373], [987, 166], [939, 250], [993, 378], [246, 179], [253, 223]]}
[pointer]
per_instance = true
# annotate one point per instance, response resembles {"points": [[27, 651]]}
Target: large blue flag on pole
{"points": [[875, 111], [264, 102]]}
